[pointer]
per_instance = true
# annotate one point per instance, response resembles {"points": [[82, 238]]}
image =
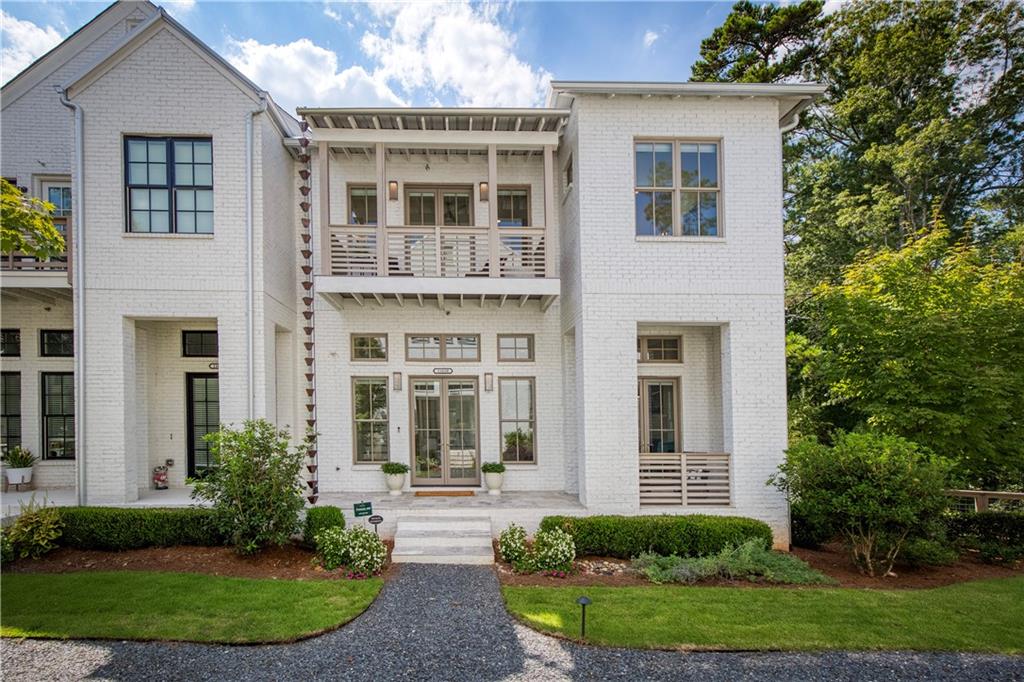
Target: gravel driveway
{"points": [[462, 633]]}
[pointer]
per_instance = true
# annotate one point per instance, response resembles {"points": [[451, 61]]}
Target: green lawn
{"points": [[978, 616], [176, 606]]}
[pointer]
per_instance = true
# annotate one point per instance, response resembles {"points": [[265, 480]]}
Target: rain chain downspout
{"points": [[250, 284], [78, 294], [308, 298]]}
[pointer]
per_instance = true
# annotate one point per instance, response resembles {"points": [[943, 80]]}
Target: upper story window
{"points": [[10, 345], [58, 194], [677, 190], [659, 349], [170, 185], [455, 205], [199, 344], [515, 347], [451, 347], [369, 347], [56, 343], [362, 204], [513, 207]]}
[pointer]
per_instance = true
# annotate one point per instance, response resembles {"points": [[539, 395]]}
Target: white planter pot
{"points": [[494, 482], [18, 476], [395, 483]]}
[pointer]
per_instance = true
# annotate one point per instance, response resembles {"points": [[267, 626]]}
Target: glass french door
{"points": [[659, 415], [445, 443], [202, 417]]}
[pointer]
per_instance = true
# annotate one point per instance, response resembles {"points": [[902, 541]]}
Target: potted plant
{"points": [[18, 463], [394, 476], [494, 475]]}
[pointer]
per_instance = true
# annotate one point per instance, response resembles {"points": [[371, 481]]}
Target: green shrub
{"points": [[928, 552], [366, 551], [394, 468], [6, 549], [118, 529], [875, 490], [806, 530], [253, 485], [332, 547], [492, 468], [36, 530], [18, 457], [512, 543], [553, 550], [318, 519], [997, 536], [628, 536], [752, 561]]}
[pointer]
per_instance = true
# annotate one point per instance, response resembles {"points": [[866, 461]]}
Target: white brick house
{"points": [[590, 292]]}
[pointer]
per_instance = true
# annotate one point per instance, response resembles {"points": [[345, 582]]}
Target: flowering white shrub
{"points": [[366, 552], [553, 550], [512, 543], [332, 547]]}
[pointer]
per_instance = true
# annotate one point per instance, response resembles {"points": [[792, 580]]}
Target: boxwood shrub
{"points": [[318, 519], [115, 528], [998, 536], [628, 536]]}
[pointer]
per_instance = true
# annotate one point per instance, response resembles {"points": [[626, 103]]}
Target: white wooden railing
{"points": [[414, 251], [691, 479]]}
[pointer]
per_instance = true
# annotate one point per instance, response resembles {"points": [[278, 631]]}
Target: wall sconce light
{"points": [[488, 382], [396, 381], [393, 190], [485, 191]]}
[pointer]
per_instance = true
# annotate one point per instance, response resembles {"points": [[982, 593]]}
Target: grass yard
{"points": [[983, 616], [177, 606]]}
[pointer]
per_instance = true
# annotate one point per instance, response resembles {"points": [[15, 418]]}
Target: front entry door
{"points": [[445, 447], [659, 415], [202, 410]]}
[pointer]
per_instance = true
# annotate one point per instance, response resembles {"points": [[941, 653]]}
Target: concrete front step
{"points": [[443, 540]]}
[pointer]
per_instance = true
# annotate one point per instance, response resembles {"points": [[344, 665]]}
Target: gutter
{"points": [[78, 294], [250, 255], [791, 125]]}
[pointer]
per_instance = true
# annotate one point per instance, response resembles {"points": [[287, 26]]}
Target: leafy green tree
{"points": [[760, 43], [927, 342], [26, 224]]}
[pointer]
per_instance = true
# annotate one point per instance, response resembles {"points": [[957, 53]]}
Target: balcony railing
{"points": [[22, 262], [438, 251], [691, 479]]}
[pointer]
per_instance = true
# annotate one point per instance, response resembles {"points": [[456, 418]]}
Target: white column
{"points": [[324, 193], [492, 209], [550, 237], [382, 209]]}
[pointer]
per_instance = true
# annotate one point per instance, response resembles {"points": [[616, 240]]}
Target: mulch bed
{"points": [[290, 562], [833, 561]]}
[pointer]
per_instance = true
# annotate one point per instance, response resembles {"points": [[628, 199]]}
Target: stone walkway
{"points": [[462, 632]]}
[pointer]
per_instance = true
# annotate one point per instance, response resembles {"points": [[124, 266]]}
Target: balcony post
{"points": [[382, 210], [324, 161], [492, 210], [550, 239]]}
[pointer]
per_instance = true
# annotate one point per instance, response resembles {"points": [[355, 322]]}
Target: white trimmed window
{"points": [[677, 190]]}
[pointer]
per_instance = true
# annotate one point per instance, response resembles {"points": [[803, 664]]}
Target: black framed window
{"points": [[10, 343], [199, 344], [169, 184], [58, 415], [56, 343], [10, 410]]}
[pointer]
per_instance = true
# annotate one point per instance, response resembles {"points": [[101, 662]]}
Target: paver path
{"points": [[449, 623]]}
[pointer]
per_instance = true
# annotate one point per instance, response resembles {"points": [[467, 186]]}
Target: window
{"points": [[362, 203], [58, 415], [659, 349], [518, 419], [515, 347], [10, 410], [677, 189], [456, 206], [10, 343], [56, 343], [169, 177], [513, 207], [369, 347], [659, 423], [199, 344], [370, 419], [58, 194], [451, 347]]}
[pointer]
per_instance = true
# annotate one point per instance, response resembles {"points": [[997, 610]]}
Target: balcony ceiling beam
{"points": [[437, 139]]}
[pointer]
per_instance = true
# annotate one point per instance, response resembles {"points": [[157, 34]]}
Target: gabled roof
{"points": [[43, 67], [792, 97]]}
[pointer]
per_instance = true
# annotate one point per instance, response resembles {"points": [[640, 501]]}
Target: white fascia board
{"points": [[690, 88], [54, 279], [435, 138], [431, 111], [427, 286]]}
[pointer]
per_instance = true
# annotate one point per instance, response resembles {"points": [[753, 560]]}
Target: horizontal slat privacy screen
{"points": [[692, 479]]}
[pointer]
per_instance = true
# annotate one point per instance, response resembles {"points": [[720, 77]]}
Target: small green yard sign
{"points": [[362, 509]]}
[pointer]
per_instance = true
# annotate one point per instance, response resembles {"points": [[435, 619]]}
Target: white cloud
{"points": [[650, 37], [456, 48], [302, 73], [21, 43], [179, 8], [330, 13]]}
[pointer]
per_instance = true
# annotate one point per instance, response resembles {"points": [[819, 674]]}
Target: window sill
{"points": [[55, 462], [366, 466], [696, 240], [165, 235], [520, 465]]}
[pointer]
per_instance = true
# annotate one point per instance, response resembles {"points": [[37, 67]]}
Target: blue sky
{"points": [[420, 54]]}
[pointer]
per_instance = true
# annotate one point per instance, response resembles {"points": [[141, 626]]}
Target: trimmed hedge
{"points": [[997, 535], [318, 519], [628, 536], [115, 528]]}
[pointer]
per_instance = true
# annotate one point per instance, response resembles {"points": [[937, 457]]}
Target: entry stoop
{"points": [[443, 540]]}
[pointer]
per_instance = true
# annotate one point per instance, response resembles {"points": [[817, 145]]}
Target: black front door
{"points": [[202, 417]]}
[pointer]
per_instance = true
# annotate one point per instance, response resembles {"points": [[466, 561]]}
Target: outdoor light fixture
{"points": [[485, 191], [393, 190], [583, 602], [396, 381], [488, 382]]}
